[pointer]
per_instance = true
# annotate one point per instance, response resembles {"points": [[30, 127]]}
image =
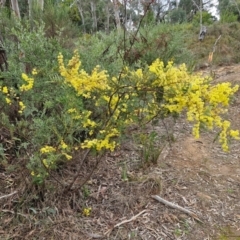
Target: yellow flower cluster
{"points": [[65, 149], [29, 81], [45, 163], [84, 117], [87, 211], [63, 145], [24, 87], [50, 158], [47, 149], [8, 100], [103, 142], [6, 91], [83, 83], [203, 102], [34, 72], [21, 106]]}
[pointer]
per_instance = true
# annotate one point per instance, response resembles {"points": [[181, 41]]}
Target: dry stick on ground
{"points": [[125, 221], [8, 195], [29, 217], [172, 205]]}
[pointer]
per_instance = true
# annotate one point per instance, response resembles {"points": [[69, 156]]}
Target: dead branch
{"points": [[129, 220], [125, 221], [8, 195], [172, 205], [215, 44], [210, 57]]}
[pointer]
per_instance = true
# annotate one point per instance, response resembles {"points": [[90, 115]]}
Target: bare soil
{"points": [[192, 173]]}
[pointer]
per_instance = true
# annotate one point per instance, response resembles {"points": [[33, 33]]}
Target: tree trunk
{"points": [[107, 25], [30, 9], [2, 3], [94, 16], [15, 8], [116, 14], [80, 9]]}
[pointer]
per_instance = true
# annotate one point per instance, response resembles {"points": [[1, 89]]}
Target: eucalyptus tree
{"points": [[191, 7]]}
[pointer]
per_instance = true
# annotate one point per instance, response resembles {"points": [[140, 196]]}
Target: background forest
{"points": [[81, 79]]}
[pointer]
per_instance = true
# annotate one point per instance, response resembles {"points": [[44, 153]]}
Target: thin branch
{"points": [[194, 3], [79, 170], [8, 195], [215, 44], [86, 179], [50, 174], [172, 205], [131, 219], [210, 57], [125, 221]]}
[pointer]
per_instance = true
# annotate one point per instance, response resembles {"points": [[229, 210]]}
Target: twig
{"points": [[12, 212], [210, 57], [214, 46], [172, 205], [89, 175], [126, 221], [129, 220], [8, 195], [78, 171]]}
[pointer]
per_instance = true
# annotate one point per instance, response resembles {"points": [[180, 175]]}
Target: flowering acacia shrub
{"points": [[93, 110], [141, 95]]}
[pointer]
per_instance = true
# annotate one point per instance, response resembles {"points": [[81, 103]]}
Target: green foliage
{"points": [[206, 18], [43, 106], [72, 10], [166, 41], [189, 5], [101, 48], [228, 17], [149, 18], [178, 15], [149, 146], [229, 10]]}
